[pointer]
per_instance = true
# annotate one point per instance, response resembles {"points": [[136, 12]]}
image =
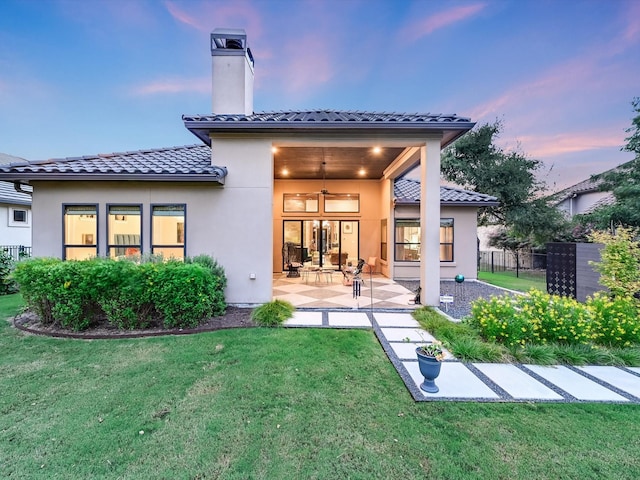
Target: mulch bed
{"points": [[234, 317]]}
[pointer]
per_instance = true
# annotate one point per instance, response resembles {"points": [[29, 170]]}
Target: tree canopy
{"points": [[623, 182], [475, 163]]}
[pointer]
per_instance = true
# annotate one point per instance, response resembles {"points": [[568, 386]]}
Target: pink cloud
{"points": [[426, 26], [572, 142], [205, 16], [171, 86]]}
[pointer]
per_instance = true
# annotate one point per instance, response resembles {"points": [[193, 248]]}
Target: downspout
{"points": [[18, 187]]}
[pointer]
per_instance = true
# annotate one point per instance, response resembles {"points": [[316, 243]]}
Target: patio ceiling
{"points": [[341, 163]]}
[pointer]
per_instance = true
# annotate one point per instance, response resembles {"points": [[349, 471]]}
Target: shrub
{"points": [[123, 295], [182, 293], [73, 294], [272, 314], [540, 318], [619, 267], [33, 277], [616, 321], [552, 318], [219, 278], [7, 283]]}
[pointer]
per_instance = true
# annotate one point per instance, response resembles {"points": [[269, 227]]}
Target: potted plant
{"points": [[430, 356]]}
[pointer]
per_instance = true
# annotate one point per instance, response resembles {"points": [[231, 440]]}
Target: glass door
{"points": [[320, 243]]}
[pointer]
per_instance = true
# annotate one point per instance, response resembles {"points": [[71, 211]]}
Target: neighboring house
{"points": [[15, 212], [458, 230], [583, 197], [264, 189]]}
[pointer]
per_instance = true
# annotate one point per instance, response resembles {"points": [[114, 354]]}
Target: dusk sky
{"points": [[81, 77]]}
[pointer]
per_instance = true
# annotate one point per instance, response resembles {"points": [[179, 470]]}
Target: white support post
{"points": [[430, 222]]}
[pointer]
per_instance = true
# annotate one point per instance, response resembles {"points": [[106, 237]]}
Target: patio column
{"points": [[430, 222]]}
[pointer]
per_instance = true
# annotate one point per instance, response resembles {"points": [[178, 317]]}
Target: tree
{"points": [[476, 164], [623, 182]]}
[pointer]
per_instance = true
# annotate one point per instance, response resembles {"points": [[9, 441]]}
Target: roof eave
{"points": [[143, 177], [446, 203], [202, 129]]}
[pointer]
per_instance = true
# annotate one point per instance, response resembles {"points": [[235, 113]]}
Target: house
{"points": [[458, 230], [583, 197], [264, 190], [15, 214]]}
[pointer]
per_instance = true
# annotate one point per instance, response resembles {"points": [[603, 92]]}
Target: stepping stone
{"points": [[413, 334], [516, 382], [575, 384], [455, 381], [616, 377], [306, 319], [349, 319], [396, 320]]}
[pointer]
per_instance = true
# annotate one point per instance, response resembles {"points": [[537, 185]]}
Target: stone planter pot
{"points": [[430, 369]]}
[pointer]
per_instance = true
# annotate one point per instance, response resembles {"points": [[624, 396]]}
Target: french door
{"points": [[321, 243]]}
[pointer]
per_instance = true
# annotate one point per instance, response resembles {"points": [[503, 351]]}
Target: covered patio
{"points": [[326, 290]]}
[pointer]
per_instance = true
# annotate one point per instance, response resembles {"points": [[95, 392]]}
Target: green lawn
{"points": [[275, 404], [509, 280]]}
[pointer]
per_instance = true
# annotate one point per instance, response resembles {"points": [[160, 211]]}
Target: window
{"points": [[407, 246], [383, 239], [408, 240], [342, 203], [18, 217], [446, 239], [124, 226], [168, 232], [300, 202], [80, 230]]}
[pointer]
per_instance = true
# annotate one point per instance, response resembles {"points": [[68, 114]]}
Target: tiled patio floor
{"points": [[328, 291]]}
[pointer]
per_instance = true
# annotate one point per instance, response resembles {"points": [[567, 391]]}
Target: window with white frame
{"points": [[18, 217]]}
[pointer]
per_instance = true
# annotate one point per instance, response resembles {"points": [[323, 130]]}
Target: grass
{"points": [[275, 403], [510, 281]]}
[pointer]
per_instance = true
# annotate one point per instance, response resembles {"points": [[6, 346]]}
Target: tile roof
{"points": [[191, 162], [332, 116], [585, 186], [329, 120], [608, 199], [8, 194], [407, 191]]}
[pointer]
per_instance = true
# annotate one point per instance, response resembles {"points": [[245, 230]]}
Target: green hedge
{"points": [[75, 294], [539, 318]]}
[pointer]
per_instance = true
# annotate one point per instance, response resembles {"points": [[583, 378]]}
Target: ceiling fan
{"points": [[323, 166]]}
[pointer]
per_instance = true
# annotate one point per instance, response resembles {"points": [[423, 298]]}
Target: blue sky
{"points": [[80, 77]]}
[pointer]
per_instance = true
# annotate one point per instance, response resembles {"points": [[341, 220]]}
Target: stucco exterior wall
{"points": [[14, 234], [464, 243], [368, 216], [581, 202], [232, 223]]}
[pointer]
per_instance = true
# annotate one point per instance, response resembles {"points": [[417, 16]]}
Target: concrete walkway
{"points": [[399, 334]]}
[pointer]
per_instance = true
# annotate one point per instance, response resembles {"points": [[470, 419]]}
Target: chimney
{"points": [[232, 72]]}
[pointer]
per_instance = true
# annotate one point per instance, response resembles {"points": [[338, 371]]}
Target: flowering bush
{"points": [[615, 321], [540, 318], [433, 349], [619, 267]]}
